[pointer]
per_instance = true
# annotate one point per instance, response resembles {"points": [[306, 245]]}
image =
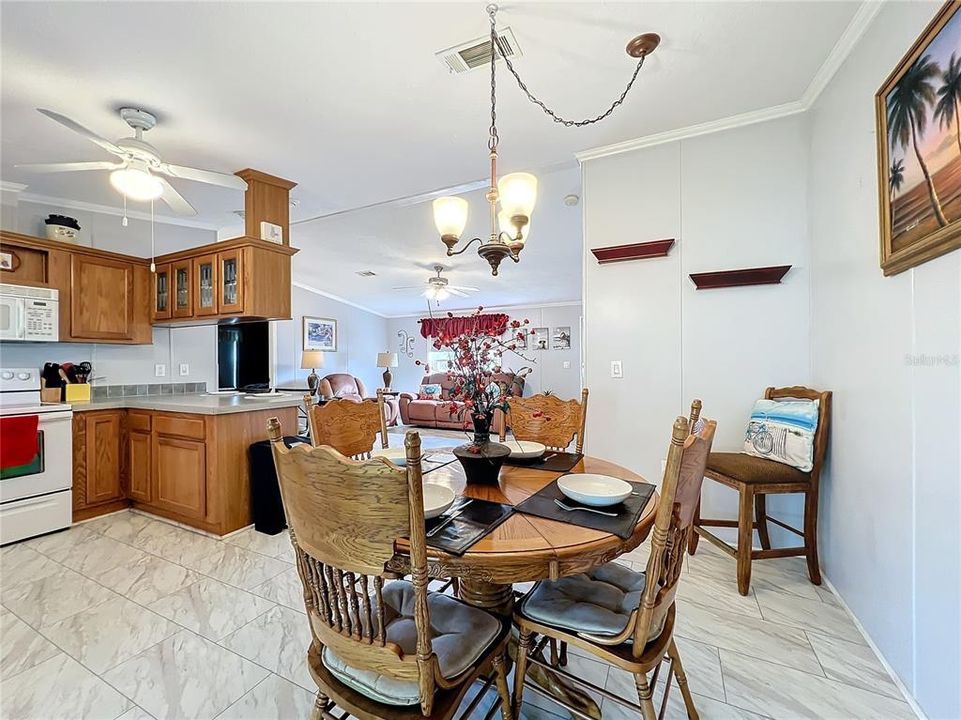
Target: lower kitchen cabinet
{"points": [[139, 486], [99, 462], [180, 476]]}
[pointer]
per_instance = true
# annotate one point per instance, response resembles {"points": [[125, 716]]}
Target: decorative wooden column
{"points": [[267, 200]]}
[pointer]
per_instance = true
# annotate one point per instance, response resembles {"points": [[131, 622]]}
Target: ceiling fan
{"points": [[137, 174], [439, 288]]}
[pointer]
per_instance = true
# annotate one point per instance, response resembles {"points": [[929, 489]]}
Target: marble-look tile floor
{"points": [[129, 617]]}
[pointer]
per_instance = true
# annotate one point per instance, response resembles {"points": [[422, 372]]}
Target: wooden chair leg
{"points": [[552, 643], [317, 712], [500, 672], [693, 537], [520, 669], [562, 660], [455, 587], [645, 697], [682, 680], [745, 539], [760, 515], [811, 535]]}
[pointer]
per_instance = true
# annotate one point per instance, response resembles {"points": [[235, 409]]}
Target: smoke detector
{"points": [[477, 52]]}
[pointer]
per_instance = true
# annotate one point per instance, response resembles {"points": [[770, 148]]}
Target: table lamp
{"points": [[387, 360], [312, 359]]}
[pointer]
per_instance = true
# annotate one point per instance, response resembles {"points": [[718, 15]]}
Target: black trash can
{"points": [[266, 506]]}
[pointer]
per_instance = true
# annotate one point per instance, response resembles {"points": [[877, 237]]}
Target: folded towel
{"points": [[18, 440]]}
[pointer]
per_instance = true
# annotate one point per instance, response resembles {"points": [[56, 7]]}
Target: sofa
{"points": [[345, 386], [437, 414]]}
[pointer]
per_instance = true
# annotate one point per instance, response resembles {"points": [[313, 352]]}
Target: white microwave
{"points": [[31, 314]]}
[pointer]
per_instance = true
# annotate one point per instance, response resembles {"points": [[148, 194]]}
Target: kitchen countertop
{"points": [[197, 403]]}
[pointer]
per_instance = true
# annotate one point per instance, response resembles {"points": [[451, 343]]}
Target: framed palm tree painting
{"points": [[918, 113]]}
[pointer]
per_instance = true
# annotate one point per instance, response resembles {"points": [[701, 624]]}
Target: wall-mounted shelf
{"points": [[736, 278], [635, 251]]}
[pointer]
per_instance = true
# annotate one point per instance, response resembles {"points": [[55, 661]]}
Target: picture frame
{"points": [[540, 338], [320, 334], [561, 338], [919, 148]]}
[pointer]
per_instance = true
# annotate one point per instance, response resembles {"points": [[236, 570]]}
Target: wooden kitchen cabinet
{"points": [[179, 475], [182, 285], [107, 300], [231, 281], [162, 293], [206, 286], [99, 462], [139, 465]]}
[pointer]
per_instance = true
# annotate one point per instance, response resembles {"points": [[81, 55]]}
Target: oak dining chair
{"points": [[621, 616], [548, 420], [348, 426], [754, 478], [379, 649]]}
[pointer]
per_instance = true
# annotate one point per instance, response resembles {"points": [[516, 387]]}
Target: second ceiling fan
{"points": [[439, 288]]}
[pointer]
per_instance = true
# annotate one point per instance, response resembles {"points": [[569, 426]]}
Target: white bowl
{"points": [[594, 490], [526, 449], [397, 455], [437, 499]]}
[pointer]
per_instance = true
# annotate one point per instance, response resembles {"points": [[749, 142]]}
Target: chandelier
{"points": [[517, 192]]}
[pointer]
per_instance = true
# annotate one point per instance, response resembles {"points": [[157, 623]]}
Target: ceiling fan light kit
{"points": [[516, 192]]}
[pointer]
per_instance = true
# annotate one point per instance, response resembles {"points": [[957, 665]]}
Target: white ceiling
{"points": [[348, 99]]}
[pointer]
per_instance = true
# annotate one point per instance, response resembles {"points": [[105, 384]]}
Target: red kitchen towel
{"points": [[18, 440]]}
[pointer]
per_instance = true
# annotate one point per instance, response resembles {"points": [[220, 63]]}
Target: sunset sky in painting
{"points": [[938, 146]]}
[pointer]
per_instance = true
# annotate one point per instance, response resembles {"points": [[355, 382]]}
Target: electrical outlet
{"points": [[616, 370], [567, 364], [159, 370], [184, 369]]}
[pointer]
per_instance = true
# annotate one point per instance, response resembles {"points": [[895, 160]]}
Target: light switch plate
{"points": [[617, 371], [271, 232], [159, 370], [567, 364], [184, 369]]}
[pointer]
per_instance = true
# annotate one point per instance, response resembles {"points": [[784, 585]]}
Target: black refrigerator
{"points": [[243, 356]]}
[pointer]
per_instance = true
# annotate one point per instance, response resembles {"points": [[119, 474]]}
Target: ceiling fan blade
{"points": [[463, 287], [205, 176], [71, 166], [175, 200], [409, 287], [81, 130], [455, 291]]}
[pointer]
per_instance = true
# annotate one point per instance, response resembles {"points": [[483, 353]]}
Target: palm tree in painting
{"points": [[907, 107], [896, 177], [948, 109]]}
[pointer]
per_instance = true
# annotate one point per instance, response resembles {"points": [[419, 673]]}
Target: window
{"points": [[438, 359]]}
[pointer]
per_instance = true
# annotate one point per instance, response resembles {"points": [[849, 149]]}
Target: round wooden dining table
{"points": [[525, 548]]}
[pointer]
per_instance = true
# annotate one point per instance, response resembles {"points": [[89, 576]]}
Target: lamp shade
{"points": [[517, 193], [450, 216], [136, 184], [386, 359], [311, 359]]}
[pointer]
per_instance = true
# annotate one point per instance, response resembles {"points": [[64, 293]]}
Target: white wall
{"points": [[892, 496], [732, 200], [548, 371], [360, 336]]}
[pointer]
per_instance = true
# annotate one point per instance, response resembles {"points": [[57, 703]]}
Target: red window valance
{"points": [[492, 324]]}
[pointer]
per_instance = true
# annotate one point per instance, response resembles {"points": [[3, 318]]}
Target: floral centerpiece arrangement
{"points": [[475, 394]]}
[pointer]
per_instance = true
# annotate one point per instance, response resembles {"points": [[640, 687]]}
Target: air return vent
{"points": [[477, 53], [366, 273]]}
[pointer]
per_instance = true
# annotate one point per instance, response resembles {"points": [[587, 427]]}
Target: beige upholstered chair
{"points": [[348, 426], [754, 478], [380, 650], [548, 420], [621, 616]]}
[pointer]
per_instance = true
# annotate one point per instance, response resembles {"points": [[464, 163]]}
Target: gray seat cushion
{"points": [[599, 602], [460, 635]]}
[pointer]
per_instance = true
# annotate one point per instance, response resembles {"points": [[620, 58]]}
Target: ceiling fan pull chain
{"points": [[492, 10], [153, 265], [123, 222]]}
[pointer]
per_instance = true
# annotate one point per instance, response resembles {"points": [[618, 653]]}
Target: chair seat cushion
{"points": [[460, 636], [750, 469], [598, 603]]}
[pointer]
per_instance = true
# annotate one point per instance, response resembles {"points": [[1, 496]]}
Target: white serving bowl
{"points": [[526, 449], [594, 490], [397, 455], [437, 499]]}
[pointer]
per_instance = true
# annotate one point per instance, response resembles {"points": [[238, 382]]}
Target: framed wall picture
{"points": [[918, 115], [561, 339], [540, 338], [320, 334]]}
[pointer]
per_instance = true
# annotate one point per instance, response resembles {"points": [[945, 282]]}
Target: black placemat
{"points": [[551, 461], [436, 460], [472, 521], [542, 505]]}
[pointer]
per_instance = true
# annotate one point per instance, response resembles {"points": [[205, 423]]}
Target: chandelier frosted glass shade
{"points": [[136, 184], [508, 228], [450, 216], [517, 193]]}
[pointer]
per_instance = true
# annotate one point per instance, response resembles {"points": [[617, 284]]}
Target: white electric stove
{"points": [[36, 498]]}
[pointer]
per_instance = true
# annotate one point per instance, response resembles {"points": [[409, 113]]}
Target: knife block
{"points": [[50, 395]]}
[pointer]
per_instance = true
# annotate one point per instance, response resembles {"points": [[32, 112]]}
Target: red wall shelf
{"points": [[635, 251], [736, 278]]}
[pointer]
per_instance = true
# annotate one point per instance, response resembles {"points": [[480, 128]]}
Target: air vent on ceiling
{"points": [[366, 273], [477, 53]]}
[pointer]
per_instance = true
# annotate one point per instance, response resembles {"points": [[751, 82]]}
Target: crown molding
{"points": [[498, 308], [110, 210], [859, 23], [12, 187], [338, 298], [842, 48]]}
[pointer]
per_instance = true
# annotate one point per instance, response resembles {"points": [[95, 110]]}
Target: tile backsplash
{"points": [[100, 392]]}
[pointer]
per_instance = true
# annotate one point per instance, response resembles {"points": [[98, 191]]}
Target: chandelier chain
{"points": [[492, 11], [492, 142]]}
